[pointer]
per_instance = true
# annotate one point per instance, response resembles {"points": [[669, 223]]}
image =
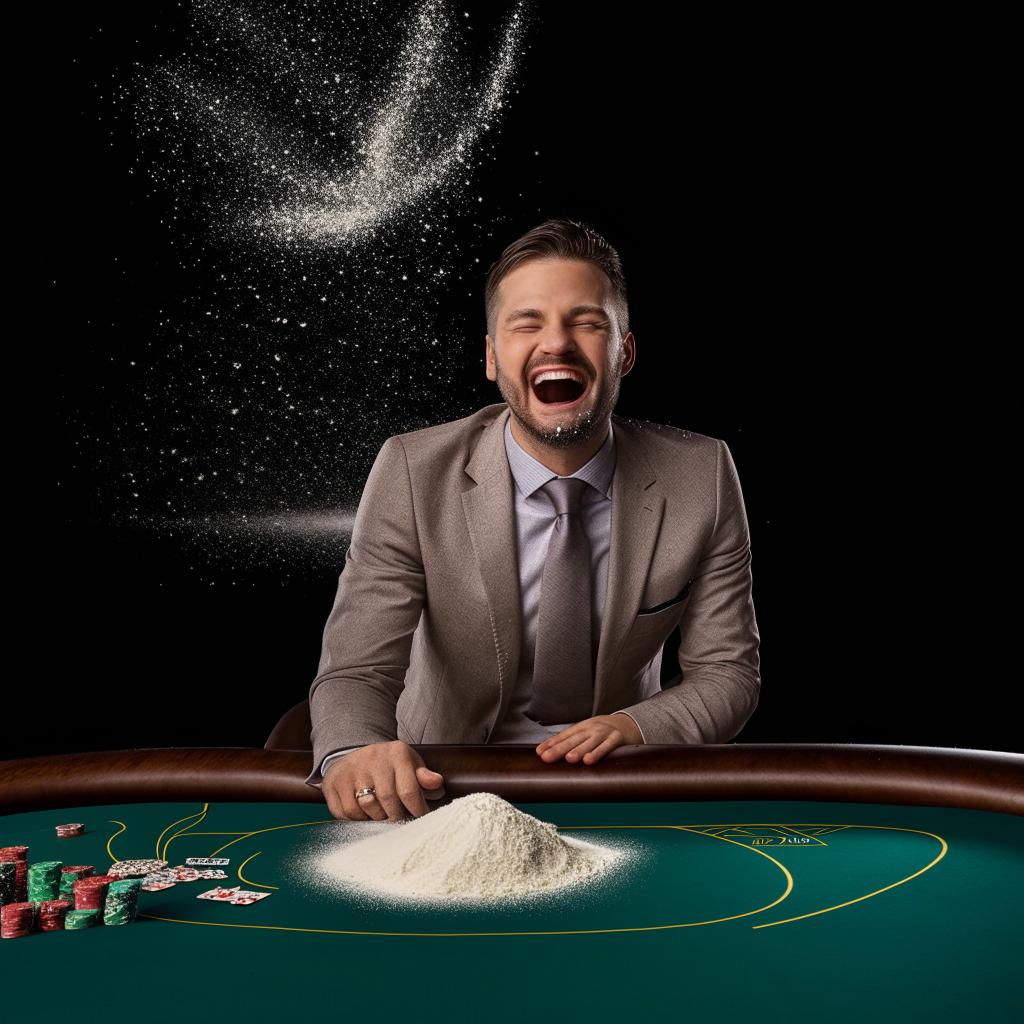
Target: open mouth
{"points": [[558, 388]]}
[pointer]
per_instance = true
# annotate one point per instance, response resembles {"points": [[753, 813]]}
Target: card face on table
{"points": [[244, 897], [219, 894], [237, 896]]}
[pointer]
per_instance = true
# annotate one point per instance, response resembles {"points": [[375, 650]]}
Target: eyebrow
{"points": [[536, 314]]}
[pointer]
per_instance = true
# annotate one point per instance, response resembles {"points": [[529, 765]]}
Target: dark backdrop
{"points": [[772, 213]]}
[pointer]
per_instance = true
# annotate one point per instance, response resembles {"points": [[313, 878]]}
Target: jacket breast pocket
{"points": [[678, 599], [652, 626]]}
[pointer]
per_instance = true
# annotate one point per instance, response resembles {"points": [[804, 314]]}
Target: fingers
{"points": [[587, 742], [592, 756], [432, 783], [408, 790], [396, 774], [552, 749], [335, 791]]}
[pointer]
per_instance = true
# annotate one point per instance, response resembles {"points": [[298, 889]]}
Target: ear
{"points": [[492, 370], [628, 353]]}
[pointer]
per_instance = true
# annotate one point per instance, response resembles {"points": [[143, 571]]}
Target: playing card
{"points": [[219, 894], [244, 897], [210, 874]]}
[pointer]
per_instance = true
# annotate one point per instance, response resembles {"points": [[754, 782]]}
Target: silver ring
{"points": [[366, 791]]}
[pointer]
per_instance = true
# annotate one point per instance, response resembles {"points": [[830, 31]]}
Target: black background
{"points": [[771, 192]]}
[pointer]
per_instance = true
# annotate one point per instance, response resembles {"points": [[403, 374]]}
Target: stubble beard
{"points": [[581, 427]]}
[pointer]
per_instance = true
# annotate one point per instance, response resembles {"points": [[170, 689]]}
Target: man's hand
{"points": [[590, 739], [401, 780]]}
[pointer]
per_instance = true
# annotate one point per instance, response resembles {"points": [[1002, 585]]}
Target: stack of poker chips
{"points": [[71, 873], [52, 914], [18, 855], [122, 901], [91, 891], [44, 880], [70, 831], [17, 919], [53, 897]]}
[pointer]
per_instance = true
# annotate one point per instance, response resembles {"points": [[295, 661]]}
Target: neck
{"points": [[563, 461]]}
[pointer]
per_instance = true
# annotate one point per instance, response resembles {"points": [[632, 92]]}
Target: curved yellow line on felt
{"points": [[174, 824], [274, 828], [697, 829], [582, 931], [123, 828], [245, 881], [184, 831], [838, 906]]}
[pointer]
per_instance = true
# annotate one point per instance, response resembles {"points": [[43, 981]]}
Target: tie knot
{"points": [[566, 493]]}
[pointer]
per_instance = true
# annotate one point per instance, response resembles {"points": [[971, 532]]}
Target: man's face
{"points": [[555, 317]]}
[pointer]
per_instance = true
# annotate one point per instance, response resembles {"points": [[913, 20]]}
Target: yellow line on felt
{"points": [[588, 931], [123, 828], [275, 828], [245, 881], [693, 829], [838, 906], [184, 831], [173, 825], [340, 931]]}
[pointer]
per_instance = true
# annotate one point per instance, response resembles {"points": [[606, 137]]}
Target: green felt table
{"points": [[770, 909]]}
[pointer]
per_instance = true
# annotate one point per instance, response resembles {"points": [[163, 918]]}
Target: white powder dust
{"points": [[477, 849]]}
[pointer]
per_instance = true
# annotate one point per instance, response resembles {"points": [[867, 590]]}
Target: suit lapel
{"points": [[637, 510], [490, 517]]}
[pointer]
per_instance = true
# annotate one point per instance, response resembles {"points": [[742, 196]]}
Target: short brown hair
{"points": [[561, 239]]}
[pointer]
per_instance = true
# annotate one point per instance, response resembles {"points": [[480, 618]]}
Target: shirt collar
{"points": [[529, 474]]}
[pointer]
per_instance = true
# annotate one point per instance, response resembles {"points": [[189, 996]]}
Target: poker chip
{"points": [[75, 920], [91, 892], [122, 901], [18, 854], [8, 881], [69, 831], [135, 868], [69, 874], [52, 914], [17, 919], [44, 880]]}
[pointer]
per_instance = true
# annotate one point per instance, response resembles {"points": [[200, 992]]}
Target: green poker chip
{"points": [[121, 905], [75, 920], [44, 880]]}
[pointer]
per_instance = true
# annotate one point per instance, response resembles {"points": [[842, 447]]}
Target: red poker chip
{"points": [[78, 869], [17, 919], [51, 915], [91, 892], [13, 853]]}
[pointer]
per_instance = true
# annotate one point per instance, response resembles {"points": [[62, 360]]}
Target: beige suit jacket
{"points": [[423, 641]]}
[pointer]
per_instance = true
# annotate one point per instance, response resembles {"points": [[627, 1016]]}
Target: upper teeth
{"points": [[557, 375]]}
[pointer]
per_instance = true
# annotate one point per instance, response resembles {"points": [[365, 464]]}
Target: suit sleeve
{"points": [[719, 653], [368, 636]]}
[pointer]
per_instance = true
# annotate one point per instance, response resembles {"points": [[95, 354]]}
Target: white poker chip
{"points": [[136, 868]]}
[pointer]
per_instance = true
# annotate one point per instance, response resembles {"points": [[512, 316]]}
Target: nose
{"points": [[556, 339]]}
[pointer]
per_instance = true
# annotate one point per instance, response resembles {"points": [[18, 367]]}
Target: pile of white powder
{"points": [[477, 849]]}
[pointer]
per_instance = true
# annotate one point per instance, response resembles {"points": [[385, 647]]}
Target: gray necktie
{"points": [[563, 664]]}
